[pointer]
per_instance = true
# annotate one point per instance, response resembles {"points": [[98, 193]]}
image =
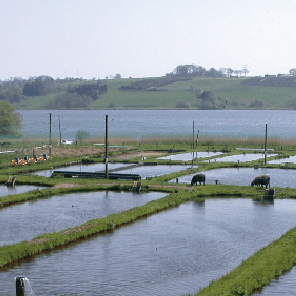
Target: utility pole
{"points": [[265, 143], [60, 130], [193, 136], [106, 157], [49, 133]]}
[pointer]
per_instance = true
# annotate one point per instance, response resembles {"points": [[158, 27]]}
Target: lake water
{"points": [[138, 124], [173, 252], [27, 220]]}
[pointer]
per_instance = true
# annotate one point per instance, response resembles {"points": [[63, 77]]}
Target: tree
{"points": [[292, 72], [229, 72], [10, 120]]}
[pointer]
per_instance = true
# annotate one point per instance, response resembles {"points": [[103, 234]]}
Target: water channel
{"points": [[27, 220], [173, 252]]}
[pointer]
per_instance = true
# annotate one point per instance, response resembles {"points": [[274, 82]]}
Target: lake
{"points": [[138, 124]]}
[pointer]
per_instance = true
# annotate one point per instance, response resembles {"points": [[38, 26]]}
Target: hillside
{"points": [[154, 93]]}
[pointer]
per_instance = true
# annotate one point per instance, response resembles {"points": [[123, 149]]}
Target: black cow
{"points": [[198, 178], [261, 180]]}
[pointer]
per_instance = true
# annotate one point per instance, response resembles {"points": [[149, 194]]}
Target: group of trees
{"points": [[196, 71], [40, 86], [79, 96], [94, 90], [206, 101]]}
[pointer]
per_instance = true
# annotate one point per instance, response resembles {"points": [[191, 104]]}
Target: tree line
{"points": [[198, 71]]}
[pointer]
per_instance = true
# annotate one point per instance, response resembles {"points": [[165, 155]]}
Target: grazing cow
{"points": [[261, 180], [198, 178]]}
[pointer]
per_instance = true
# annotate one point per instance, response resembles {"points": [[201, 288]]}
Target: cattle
{"points": [[261, 180], [198, 178]]}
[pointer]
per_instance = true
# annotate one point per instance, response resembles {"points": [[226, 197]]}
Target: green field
{"points": [[240, 96]]}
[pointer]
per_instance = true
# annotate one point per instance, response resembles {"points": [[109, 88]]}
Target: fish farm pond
{"points": [[177, 251]]}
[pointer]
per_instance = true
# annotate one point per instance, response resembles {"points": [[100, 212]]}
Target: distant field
{"points": [[240, 96]]}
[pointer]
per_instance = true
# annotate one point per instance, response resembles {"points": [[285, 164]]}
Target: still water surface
{"points": [[190, 155], [244, 176], [170, 253], [144, 171], [4, 190], [27, 220]]}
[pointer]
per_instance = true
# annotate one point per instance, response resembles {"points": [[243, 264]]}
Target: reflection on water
{"points": [[4, 190], [291, 159], [173, 252], [144, 171], [284, 285], [242, 157], [27, 220], [190, 155], [82, 168], [244, 176], [158, 170]]}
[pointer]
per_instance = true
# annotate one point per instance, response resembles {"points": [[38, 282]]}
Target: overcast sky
{"points": [[140, 38]]}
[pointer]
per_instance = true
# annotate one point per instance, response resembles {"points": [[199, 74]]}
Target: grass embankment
{"points": [[257, 271]]}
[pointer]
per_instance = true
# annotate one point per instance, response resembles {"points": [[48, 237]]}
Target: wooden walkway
{"points": [[98, 175]]}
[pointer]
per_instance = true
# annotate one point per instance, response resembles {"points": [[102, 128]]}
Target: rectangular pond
{"points": [[244, 176], [145, 171], [27, 220], [174, 252], [190, 155], [82, 168], [242, 157], [290, 159]]}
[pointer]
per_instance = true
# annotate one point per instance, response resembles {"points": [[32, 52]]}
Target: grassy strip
{"points": [[258, 270]]}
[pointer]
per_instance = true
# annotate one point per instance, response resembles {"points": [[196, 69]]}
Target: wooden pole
{"points": [[60, 130], [107, 173], [20, 286], [265, 143], [193, 136], [49, 134]]}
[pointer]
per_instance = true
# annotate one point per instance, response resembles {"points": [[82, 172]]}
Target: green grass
{"points": [[257, 271], [240, 95]]}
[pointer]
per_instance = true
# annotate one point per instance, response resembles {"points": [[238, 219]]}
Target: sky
{"points": [[140, 38]]}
